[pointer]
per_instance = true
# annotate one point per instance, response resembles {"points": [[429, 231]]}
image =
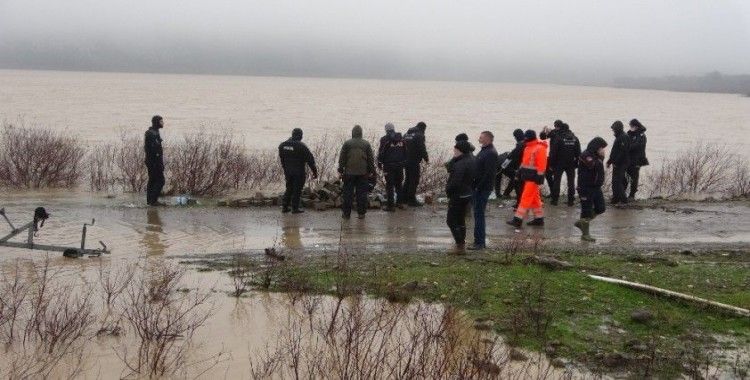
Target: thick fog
{"points": [[588, 41]]}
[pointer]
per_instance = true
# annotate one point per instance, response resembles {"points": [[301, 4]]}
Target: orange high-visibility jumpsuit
{"points": [[534, 157]]}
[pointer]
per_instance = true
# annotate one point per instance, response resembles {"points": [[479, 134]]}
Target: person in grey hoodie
{"points": [[356, 167]]}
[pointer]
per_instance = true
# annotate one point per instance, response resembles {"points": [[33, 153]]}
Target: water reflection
{"points": [[290, 232], [152, 237]]}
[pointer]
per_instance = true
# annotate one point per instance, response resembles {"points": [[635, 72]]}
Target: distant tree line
{"points": [[711, 82]]}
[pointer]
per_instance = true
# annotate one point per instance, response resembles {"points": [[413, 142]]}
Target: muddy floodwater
{"points": [[130, 230], [262, 110]]}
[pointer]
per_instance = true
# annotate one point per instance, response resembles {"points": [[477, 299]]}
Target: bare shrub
{"points": [[434, 175], [130, 161], [39, 158], [118, 166], [102, 169], [206, 164], [531, 311], [163, 320], [326, 149], [45, 324], [704, 169], [368, 339], [261, 169], [114, 281], [241, 271]]}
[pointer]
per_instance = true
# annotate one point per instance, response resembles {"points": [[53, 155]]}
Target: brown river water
{"points": [[263, 110]]}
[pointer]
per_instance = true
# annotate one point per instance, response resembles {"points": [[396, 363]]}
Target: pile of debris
{"points": [[324, 196]]}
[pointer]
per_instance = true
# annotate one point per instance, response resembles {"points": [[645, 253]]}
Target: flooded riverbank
{"points": [[130, 229]]}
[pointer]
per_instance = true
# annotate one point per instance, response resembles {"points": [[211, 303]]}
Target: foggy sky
{"points": [[584, 41]]}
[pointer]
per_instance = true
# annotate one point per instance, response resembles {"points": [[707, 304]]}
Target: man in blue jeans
{"points": [[486, 169]]}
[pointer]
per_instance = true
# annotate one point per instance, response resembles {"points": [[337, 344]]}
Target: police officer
{"points": [[619, 159], [415, 144], [563, 158], [392, 159], [637, 135], [154, 161], [294, 155]]}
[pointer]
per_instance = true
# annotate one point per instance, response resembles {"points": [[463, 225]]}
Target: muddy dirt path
{"points": [[132, 230]]}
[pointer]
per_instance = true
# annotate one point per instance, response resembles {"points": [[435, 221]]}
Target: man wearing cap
{"points": [[459, 189], [294, 156], [154, 161], [531, 172]]}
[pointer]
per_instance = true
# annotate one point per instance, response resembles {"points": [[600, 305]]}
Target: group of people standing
{"points": [[471, 178], [533, 160], [399, 157]]}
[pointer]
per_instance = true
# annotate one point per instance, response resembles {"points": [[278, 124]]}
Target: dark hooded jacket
{"points": [[515, 155], [415, 144], [565, 151], [638, 146], [393, 154], [356, 157], [619, 155], [294, 155], [152, 145], [384, 141], [461, 175], [590, 165]]}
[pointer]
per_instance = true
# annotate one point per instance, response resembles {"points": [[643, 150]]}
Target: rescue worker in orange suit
{"points": [[531, 173]]}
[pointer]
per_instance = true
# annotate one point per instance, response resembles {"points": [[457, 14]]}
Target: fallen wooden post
{"points": [[669, 293]]}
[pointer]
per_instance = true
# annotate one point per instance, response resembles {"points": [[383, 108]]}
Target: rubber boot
{"points": [[538, 222], [583, 225], [515, 222]]}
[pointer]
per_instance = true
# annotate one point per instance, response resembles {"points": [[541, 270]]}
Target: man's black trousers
{"points": [[355, 184], [155, 183], [294, 185]]}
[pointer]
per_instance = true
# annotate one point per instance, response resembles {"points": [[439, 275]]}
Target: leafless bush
{"points": [[102, 169], [130, 161], [513, 246], [531, 312], [434, 175], [262, 168], [45, 324], [114, 281], [325, 149], [369, 339], [705, 169], [206, 164], [163, 320], [38, 158], [118, 165], [241, 271]]}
